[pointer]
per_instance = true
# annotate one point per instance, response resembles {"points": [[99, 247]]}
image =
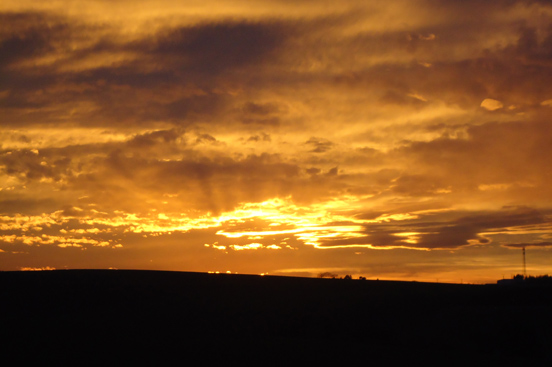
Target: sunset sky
{"points": [[402, 139]]}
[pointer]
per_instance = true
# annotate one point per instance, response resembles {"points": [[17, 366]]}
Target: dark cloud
{"points": [[154, 138], [261, 113], [261, 109], [319, 145], [30, 165], [28, 35], [462, 231], [528, 245], [260, 137], [333, 171], [206, 138], [313, 171], [458, 231], [215, 48]]}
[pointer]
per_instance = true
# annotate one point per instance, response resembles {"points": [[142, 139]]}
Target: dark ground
{"points": [[142, 316]]}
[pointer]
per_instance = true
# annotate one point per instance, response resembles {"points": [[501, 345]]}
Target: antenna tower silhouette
{"points": [[524, 265]]}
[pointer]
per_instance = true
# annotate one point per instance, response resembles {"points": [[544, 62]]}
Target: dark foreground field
{"points": [[140, 315]]}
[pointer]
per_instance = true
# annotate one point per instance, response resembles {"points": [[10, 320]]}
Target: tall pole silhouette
{"points": [[524, 265]]}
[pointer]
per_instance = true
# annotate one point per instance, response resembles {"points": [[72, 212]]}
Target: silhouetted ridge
{"points": [[154, 308]]}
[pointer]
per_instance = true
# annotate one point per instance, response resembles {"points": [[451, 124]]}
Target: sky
{"points": [[403, 140]]}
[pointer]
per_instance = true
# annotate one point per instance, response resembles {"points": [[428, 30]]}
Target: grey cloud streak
{"points": [[529, 245], [458, 230]]}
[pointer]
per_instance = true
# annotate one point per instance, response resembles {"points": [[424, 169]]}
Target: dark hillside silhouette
{"points": [[155, 310]]}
